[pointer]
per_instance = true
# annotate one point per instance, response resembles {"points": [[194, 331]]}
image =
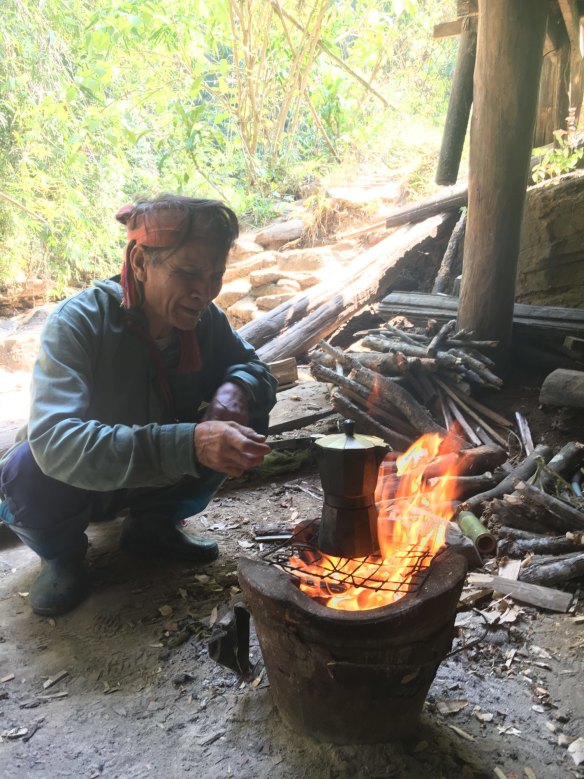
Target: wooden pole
{"points": [[506, 83], [458, 105]]}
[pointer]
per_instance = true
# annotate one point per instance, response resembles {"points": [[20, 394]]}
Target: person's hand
{"points": [[229, 404], [228, 447]]}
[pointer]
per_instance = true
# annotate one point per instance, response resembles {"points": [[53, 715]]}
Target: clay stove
{"points": [[351, 645]]}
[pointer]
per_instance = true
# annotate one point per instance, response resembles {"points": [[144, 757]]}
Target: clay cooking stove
{"points": [[356, 612]]}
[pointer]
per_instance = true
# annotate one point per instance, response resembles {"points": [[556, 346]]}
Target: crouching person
{"points": [[143, 400]]}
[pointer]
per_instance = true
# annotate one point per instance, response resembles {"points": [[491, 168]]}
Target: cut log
{"points": [[553, 545], [563, 388], [326, 306], [565, 463], [388, 364], [523, 471], [481, 459], [554, 570], [557, 513]]}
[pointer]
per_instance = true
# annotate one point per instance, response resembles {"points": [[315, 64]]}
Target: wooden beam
{"points": [[507, 72], [448, 29], [571, 16]]}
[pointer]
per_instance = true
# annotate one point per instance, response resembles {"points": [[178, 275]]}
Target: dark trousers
{"points": [[51, 517]]}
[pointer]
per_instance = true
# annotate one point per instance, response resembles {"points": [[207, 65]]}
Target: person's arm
{"points": [[244, 383], [83, 452]]}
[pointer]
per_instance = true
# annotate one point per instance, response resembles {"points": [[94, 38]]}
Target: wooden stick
{"points": [[440, 337], [565, 463], [524, 432], [554, 545], [388, 390], [471, 412], [481, 408], [344, 406], [384, 415], [472, 436]]}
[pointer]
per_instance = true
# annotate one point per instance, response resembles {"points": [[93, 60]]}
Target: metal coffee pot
{"points": [[348, 466]]}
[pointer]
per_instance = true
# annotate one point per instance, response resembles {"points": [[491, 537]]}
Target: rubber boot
{"points": [[62, 583], [156, 538]]}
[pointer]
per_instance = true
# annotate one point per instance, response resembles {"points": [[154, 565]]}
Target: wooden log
{"points": [[523, 471], [365, 423], [555, 512], [459, 105], [565, 463], [443, 280], [453, 200], [481, 459], [285, 372], [325, 307], [512, 512], [553, 571], [466, 486], [388, 363], [508, 52], [386, 390], [563, 388], [553, 545]]}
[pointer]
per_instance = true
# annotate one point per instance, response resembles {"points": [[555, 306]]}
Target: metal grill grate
{"points": [[307, 563]]}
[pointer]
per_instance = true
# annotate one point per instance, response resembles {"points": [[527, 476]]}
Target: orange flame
{"points": [[411, 527]]}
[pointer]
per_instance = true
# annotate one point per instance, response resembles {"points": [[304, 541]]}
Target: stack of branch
{"points": [[537, 512], [400, 384]]}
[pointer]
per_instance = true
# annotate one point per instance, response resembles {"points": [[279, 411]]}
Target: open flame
{"points": [[411, 526]]}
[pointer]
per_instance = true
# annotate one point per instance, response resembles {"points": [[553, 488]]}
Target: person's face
{"points": [[178, 289]]}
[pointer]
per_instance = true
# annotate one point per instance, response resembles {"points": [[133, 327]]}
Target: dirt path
{"points": [[144, 700]]}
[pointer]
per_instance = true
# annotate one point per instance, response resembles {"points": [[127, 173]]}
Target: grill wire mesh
{"points": [[334, 575]]}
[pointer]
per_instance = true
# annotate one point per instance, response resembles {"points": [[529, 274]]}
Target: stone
{"points": [[244, 247], [258, 278], [232, 292], [305, 259], [269, 302], [242, 269], [286, 284], [242, 312], [280, 233]]}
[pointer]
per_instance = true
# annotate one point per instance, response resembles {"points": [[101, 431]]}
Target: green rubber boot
{"points": [[62, 584], [156, 538]]}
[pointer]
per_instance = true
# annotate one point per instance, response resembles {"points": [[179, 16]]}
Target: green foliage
{"points": [[102, 101], [562, 158]]}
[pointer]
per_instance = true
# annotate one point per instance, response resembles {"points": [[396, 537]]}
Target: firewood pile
{"points": [[400, 383], [537, 512], [529, 513]]}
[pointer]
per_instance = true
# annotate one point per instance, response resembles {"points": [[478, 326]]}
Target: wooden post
{"points": [[509, 55], [553, 101], [459, 105]]}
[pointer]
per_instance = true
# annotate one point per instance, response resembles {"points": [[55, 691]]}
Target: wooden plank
{"points": [[448, 29], [300, 406], [449, 303], [533, 594]]}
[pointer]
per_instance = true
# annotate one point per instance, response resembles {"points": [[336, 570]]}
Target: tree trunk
{"points": [[509, 56]]}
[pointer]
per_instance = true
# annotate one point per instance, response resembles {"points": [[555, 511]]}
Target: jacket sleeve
{"points": [[239, 361], [83, 452]]}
